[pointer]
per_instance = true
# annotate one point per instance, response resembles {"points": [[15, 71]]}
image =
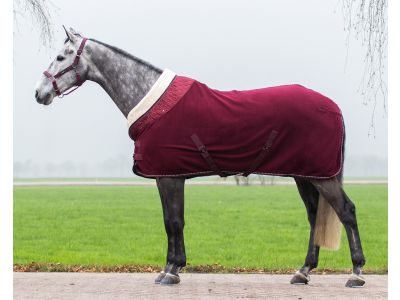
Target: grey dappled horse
{"points": [[127, 79]]}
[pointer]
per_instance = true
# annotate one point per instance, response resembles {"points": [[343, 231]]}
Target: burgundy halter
{"points": [[71, 67]]}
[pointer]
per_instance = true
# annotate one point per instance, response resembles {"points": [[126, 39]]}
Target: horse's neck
{"points": [[125, 78]]}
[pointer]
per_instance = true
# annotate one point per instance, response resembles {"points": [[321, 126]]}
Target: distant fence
{"points": [[232, 181]]}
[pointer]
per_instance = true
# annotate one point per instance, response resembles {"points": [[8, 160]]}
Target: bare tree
{"points": [[367, 20], [39, 13]]}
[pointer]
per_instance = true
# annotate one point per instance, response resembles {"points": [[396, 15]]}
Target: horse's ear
{"points": [[73, 31], [70, 35]]}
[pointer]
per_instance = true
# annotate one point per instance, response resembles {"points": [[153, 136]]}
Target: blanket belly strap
{"points": [[261, 156], [206, 155]]}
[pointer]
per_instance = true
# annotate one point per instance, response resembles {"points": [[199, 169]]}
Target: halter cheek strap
{"points": [[71, 67], [53, 82]]}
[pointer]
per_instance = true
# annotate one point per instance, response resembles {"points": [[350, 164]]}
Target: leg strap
{"points": [[207, 157], [261, 156]]}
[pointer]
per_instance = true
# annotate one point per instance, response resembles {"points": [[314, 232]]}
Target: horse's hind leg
{"points": [[172, 199], [332, 191], [310, 195]]}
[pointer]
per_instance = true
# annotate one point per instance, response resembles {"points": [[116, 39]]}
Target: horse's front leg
{"points": [[172, 199]]}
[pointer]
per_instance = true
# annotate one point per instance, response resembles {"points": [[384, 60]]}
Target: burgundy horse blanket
{"points": [[184, 128]]}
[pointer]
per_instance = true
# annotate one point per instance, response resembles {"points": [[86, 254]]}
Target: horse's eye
{"points": [[60, 58]]}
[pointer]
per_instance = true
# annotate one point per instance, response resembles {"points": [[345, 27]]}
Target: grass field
{"points": [[251, 227]]}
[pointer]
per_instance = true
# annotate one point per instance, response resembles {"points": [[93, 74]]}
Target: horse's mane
{"points": [[122, 52], [128, 55]]}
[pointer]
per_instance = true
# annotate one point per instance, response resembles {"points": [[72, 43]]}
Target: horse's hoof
{"points": [[170, 279], [300, 278], [355, 281], [160, 277]]}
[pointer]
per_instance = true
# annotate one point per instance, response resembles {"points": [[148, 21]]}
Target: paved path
{"points": [[193, 286]]}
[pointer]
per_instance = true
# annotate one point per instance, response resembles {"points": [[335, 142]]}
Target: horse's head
{"points": [[69, 69]]}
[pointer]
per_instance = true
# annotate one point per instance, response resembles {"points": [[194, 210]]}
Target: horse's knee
{"points": [[177, 225], [174, 225]]}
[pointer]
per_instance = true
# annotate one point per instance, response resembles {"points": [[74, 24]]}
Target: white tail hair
{"points": [[328, 227]]}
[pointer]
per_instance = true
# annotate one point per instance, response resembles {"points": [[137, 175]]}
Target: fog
{"points": [[225, 44]]}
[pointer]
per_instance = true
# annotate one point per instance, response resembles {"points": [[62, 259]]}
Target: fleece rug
{"points": [[184, 128]]}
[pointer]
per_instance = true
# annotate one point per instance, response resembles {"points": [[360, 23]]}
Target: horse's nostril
{"points": [[38, 98]]}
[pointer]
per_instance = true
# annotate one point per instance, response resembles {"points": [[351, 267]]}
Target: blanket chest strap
{"points": [[261, 156], [206, 155]]}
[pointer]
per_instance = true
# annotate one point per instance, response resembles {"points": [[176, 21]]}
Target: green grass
{"points": [[254, 227]]}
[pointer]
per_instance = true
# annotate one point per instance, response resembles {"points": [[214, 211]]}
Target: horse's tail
{"points": [[328, 227]]}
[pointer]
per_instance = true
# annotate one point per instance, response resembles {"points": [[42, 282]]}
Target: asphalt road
{"points": [[193, 286]]}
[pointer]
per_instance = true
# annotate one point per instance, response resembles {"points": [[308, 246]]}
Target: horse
{"points": [[128, 80]]}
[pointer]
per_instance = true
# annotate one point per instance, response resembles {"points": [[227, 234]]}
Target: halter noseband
{"points": [[71, 67]]}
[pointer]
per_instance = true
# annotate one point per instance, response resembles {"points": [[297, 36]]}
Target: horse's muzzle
{"points": [[38, 99], [43, 100]]}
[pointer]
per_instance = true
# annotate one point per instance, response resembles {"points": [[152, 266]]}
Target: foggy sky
{"points": [[225, 44]]}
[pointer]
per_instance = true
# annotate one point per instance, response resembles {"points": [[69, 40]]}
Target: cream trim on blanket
{"points": [[151, 97]]}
